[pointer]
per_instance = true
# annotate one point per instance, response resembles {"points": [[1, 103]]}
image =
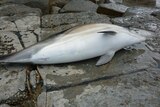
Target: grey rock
{"points": [[17, 9], [55, 10], [141, 10], [40, 100], [16, 17], [28, 23], [140, 2], [157, 3], [23, 23], [122, 94], [79, 6], [51, 21], [112, 9], [9, 43], [28, 38], [7, 25], [12, 82], [146, 22]]}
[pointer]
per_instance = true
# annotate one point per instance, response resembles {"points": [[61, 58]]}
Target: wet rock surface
{"points": [[131, 78]]}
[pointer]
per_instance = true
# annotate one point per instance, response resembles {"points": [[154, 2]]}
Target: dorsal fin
{"points": [[108, 32]]}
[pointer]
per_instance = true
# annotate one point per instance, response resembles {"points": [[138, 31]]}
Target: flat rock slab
{"points": [[51, 21], [146, 22], [149, 3], [141, 10], [17, 9], [112, 9], [79, 6], [122, 90], [12, 81]]}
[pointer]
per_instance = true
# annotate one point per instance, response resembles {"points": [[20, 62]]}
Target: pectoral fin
{"points": [[105, 58]]}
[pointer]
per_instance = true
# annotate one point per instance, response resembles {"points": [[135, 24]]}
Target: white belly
{"points": [[73, 50]]}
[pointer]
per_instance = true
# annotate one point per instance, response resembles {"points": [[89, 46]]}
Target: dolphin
{"points": [[76, 44]]}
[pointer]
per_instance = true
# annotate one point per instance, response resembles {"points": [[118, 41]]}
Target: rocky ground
{"points": [[131, 79]]}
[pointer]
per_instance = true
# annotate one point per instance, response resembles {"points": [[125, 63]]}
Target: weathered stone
{"points": [[28, 23], [123, 93], [12, 81], [79, 6], [28, 38], [112, 9], [140, 2], [7, 25], [51, 21], [17, 9], [146, 22], [141, 10], [9, 43], [16, 17], [40, 100], [114, 91], [55, 10]]}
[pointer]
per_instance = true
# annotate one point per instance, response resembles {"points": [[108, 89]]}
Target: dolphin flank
{"points": [[79, 43]]}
